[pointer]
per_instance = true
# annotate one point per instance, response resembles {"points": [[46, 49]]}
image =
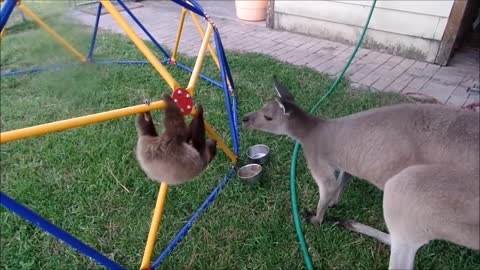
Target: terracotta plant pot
{"points": [[251, 10]]}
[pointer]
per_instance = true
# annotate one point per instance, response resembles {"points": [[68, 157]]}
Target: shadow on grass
{"points": [[21, 27]]}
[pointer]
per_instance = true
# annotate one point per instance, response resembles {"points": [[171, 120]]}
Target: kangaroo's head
{"points": [[276, 116]]}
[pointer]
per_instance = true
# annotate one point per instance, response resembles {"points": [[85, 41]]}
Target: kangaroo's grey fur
{"points": [[424, 157]]}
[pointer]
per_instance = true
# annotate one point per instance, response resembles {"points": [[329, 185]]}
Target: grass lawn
{"points": [[86, 180]]}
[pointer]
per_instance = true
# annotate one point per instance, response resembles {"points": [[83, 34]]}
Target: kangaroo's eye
{"points": [[268, 118]]}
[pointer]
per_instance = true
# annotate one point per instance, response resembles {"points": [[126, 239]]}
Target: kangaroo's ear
{"points": [[286, 106], [282, 92]]}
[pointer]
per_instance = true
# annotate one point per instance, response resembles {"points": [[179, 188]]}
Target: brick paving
{"points": [[370, 70]]}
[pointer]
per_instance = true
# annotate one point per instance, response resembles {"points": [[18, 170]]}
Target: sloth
{"points": [[178, 154]]}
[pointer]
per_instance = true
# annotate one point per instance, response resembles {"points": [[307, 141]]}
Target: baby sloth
{"points": [[180, 153]]}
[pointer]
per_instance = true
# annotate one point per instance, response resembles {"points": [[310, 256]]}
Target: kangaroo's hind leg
{"points": [[427, 202], [400, 209]]}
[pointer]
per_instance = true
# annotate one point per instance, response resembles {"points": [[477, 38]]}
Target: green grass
{"points": [[74, 178]]}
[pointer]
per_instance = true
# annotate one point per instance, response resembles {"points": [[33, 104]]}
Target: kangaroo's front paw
{"points": [[316, 220], [311, 217]]}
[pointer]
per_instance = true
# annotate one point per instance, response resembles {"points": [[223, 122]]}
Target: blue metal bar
{"points": [[208, 79], [235, 118], [228, 107], [37, 220], [143, 28], [6, 11], [55, 67], [231, 121], [224, 63], [196, 4], [126, 62], [186, 227], [189, 7], [94, 35], [227, 68], [32, 70]]}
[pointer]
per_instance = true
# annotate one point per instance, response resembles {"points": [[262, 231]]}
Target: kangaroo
{"points": [[180, 153], [425, 158]]}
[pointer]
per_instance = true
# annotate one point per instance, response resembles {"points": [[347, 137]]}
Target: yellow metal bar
{"points": [[179, 34], [3, 32], [140, 44], [220, 143], [199, 62], [212, 134], [77, 122], [22, 133], [47, 28], [157, 217], [210, 48], [202, 34]]}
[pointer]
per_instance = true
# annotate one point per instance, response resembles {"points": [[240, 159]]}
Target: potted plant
{"points": [[251, 10]]}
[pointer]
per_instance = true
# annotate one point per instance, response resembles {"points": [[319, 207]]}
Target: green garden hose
{"points": [[293, 164]]}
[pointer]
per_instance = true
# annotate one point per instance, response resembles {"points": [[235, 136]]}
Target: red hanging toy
{"points": [[184, 100]]}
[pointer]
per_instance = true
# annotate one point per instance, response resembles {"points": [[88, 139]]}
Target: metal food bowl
{"points": [[258, 153], [250, 173]]}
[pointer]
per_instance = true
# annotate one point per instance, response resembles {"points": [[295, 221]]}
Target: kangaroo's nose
{"points": [[245, 119]]}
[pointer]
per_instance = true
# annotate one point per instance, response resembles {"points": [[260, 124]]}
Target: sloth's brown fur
{"points": [[178, 154]]}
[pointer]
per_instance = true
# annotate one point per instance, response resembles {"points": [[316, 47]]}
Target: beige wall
{"points": [[408, 28]]}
